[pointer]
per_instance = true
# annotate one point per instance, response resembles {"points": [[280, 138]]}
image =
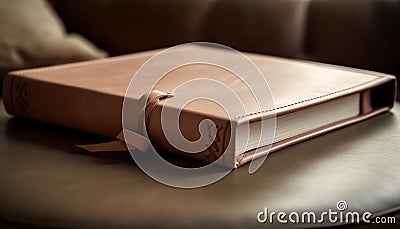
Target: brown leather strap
{"points": [[136, 138]]}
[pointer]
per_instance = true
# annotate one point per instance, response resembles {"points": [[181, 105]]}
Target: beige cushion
{"points": [[33, 35]]}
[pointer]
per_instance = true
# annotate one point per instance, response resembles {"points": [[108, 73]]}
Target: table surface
{"points": [[46, 181]]}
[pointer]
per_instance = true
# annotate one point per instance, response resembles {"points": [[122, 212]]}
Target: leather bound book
{"points": [[310, 99]]}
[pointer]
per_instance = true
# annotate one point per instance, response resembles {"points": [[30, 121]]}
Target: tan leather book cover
{"points": [[88, 96]]}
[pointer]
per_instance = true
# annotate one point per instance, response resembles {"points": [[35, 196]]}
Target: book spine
{"points": [[189, 123], [71, 107], [99, 113]]}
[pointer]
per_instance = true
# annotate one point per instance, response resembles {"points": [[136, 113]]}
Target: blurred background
{"points": [[356, 33]]}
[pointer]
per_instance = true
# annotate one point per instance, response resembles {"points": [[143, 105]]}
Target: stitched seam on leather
{"points": [[131, 56], [307, 100]]}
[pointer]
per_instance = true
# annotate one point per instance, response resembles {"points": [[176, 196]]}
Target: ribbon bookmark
{"points": [[135, 138]]}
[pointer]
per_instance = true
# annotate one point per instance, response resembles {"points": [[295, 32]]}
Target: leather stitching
{"points": [[131, 56]]}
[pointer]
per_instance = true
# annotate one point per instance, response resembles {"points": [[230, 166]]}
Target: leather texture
{"points": [[318, 30], [364, 38], [88, 96], [132, 26], [45, 181]]}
